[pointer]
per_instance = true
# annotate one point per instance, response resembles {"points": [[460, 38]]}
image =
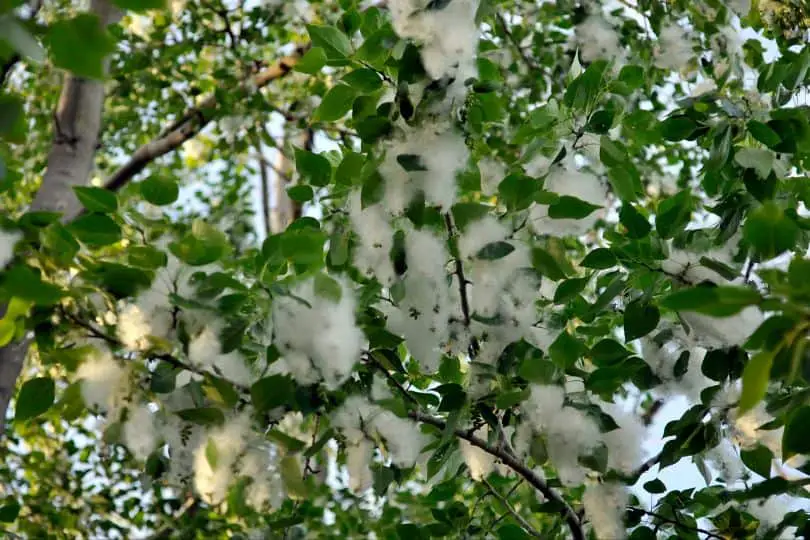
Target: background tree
{"points": [[404, 269]]}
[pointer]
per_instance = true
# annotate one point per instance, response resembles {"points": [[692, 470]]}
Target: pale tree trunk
{"points": [[77, 123], [284, 210]]}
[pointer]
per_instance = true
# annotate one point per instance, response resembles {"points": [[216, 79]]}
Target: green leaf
{"points": [[636, 224], [204, 245], [763, 133], [769, 231], [566, 350], [334, 42], [336, 103], [96, 199], [313, 168], [678, 128], [147, 257], [715, 301], [655, 486], [204, 416], [795, 439], [466, 213], [19, 38], [301, 193], [292, 477], [569, 289], [510, 531], [600, 259], [625, 183], [673, 214], [140, 6], [545, 263], [364, 80], [159, 190], [96, 230], [495, 250], [327, 287], [758, 460], [270, 392], [568, 207], [79, 45], [12, 119], [9, 512], [517, 191], [723, 364], [303, 246], [312, 62], [23, 283], [755, 379], [211, 453], [640, 318], [36, 396]]}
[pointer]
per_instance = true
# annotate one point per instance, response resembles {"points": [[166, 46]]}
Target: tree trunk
{"points": [[77, 123], [284, 210]]}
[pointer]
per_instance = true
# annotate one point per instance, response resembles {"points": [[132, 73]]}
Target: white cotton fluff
{"points": [[771, 512], [674, 48], [205, 352], [140, 434], [266, 486], [357, 418], [423, 314], [746, 432], [726, 462], [105, 382], [569, 432], [7, 242], [597, 39], [225, 444], [740, 7], [565, 179], [152, 314], [379, 389], [626, 444], [333, 342], [372, 256], [479, 462], [663, 357], [448, 36], [605, 508], [492, 173], [358, 461], [438, 152], [714, 332], [688, 267]]}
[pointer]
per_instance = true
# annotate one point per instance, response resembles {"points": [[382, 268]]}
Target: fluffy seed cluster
{"points": [[372, 255], [597, 39], [428, 304], [569, 432], [604, 508], [330, 348], [674, 48], [205, 352], [105, 382], [565, 180], [359, 421], [448, 35], [424, 160], [665, 354]]}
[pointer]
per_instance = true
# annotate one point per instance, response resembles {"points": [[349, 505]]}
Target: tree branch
{"points": [[520, 519], [192, 122], [677, 524], [510, 461]]}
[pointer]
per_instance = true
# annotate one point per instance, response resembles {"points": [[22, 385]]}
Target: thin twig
{"points": [[526, 59], [659, 517], [510, 461], [509, 508], [189, 505], [381, 368]]}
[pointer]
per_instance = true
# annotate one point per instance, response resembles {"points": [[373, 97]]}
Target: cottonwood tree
{"points": [[404, 269]]}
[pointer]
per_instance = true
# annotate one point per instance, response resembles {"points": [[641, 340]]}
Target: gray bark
{"points": [[77, 123], [284, 210]]}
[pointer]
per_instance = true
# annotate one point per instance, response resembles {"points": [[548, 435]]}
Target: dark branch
{"points": [[510, 461], [520, 519], [677, 523]]}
